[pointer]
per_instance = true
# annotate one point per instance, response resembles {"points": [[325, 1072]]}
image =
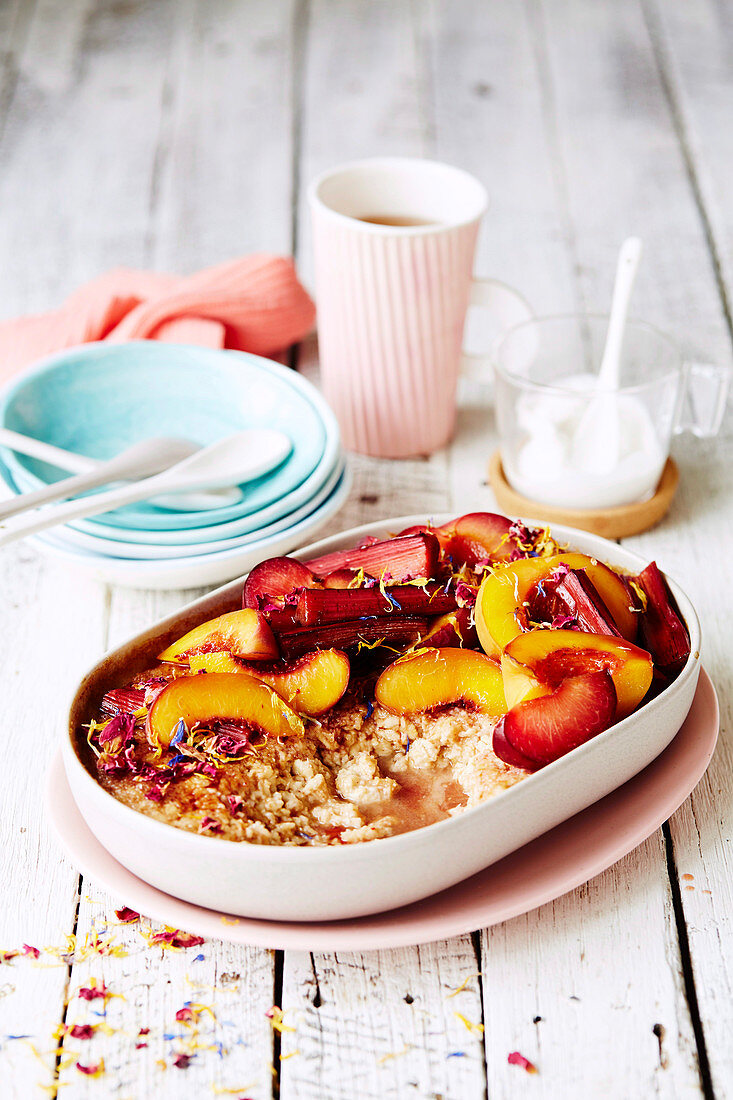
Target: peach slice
{"points": [[454, 630], [543, 730], [536, 663], [346, 578], [274, 579], [244, 633], [503, 605], [479, 536], [440, 677], [311, 685], [219, 697], [473, 537]]}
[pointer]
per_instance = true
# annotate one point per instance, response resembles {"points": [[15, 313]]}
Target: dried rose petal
{"points": [[91, 1071], [175, 938], [120, 728], [126, 915], [517, 1059], [91, 993], [81, 1031]]}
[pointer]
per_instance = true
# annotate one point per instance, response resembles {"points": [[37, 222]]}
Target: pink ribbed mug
{"points": [[394, 241]]}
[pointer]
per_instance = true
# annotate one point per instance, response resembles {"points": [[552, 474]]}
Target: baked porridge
{"points": [[385, 688]]}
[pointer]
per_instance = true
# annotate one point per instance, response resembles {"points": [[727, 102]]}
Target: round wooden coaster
{"points": [[611, 523]]}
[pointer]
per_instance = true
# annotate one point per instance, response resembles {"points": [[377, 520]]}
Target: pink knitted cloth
{"points": [[255, 304]]}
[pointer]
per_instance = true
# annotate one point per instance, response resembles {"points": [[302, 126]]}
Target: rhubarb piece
{"points": [[206, 700], [273, 580], [244, 633], [311, 685], [452, 630], [320, 605], [393, 561], [123, 701], [441, 677], [504, 603], [392, 632], [547, 728], [577, 596], [661, 627], [536, 663]]}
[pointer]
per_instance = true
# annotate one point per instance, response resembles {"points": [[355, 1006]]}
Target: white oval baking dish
{"points": [[330, 883]]}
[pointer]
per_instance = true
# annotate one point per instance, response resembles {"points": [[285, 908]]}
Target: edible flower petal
{"points": [[517, 1059]]}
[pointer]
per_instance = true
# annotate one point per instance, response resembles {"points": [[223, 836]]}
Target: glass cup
{"points": [[568, 444]]}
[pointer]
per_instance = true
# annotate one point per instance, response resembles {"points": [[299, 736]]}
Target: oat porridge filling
{"points": [[387, 687]]}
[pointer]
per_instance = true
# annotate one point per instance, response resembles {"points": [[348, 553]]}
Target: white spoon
{"points": [[82, 464], [170, 450], [141, 460], [597, 438], [238, 458]]}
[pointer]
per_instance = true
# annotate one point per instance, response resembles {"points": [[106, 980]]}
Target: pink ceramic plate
{"points": [[557, 862]]}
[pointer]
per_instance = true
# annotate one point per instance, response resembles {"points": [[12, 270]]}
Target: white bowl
{"points": [[306, 884]]}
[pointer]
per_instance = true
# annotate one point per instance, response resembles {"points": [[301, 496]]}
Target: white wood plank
{"points": [[593, 965], [224, 108], [655, 186], [362, 1038], [687, 548], [53, 623], [494, 118], [52, 627], [692, 43], [156, 983], [229, 1038], [385, 1023], [363, 92], [78, 147], [544, 74], [223, 169]]}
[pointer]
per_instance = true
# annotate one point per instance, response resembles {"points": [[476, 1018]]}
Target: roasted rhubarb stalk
{"points": [[355, 635], [332, 605], [662, 631], [392, 560], [123, 701], [576, 596]]}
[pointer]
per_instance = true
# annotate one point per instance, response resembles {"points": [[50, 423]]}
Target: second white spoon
{"points": [[230, 461]]}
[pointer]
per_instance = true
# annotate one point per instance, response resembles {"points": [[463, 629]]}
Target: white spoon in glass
{"points": [[597, 439]]}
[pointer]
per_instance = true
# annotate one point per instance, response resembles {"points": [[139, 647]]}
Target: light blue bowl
{"points": [[100, 398]]}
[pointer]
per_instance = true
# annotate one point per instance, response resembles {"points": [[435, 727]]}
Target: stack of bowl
{"points": [[98, 399]]}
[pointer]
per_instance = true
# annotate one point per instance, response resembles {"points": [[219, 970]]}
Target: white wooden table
{"points": [[176, 133]]}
